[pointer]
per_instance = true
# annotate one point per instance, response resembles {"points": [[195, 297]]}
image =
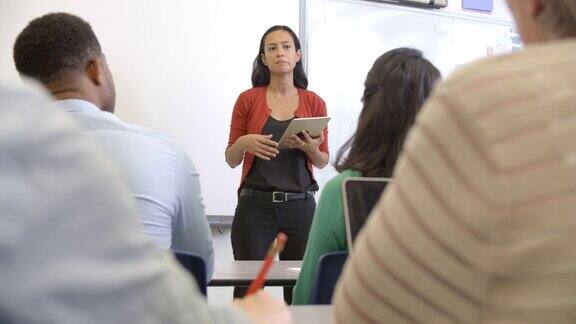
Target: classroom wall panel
{"points": [[178, 67]]}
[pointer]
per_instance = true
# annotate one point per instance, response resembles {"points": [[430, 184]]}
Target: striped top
{"points": [[480, 224]]}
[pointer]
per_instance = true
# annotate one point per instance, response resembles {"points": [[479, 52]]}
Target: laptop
{"points": [[359, 196]]}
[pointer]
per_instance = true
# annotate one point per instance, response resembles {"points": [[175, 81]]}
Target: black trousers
{"points": [[256, 224]]}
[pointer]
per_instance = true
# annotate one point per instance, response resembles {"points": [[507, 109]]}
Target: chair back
{"points": [[327, 274], [196, 266]]}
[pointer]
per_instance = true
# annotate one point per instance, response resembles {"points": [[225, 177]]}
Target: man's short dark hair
{"points": [[53, 45]]}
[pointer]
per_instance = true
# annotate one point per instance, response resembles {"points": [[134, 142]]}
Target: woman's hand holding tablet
{"points": [[310, 130]]}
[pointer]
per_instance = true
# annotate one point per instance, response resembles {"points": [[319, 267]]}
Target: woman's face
{"points": [[280, 54]]}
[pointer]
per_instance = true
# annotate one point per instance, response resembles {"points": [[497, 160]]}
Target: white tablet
{"points": [[313, 125]]}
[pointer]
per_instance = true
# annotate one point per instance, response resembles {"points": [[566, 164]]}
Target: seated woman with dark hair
{"points": [[395, 89]]}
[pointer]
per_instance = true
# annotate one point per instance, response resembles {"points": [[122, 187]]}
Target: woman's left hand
{"points": [[307, 144]]}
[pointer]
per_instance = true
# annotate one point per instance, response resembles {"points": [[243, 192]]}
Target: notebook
{"points": [[360, 195]]}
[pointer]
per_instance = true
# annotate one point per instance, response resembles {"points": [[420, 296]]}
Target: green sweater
{"points": [[328, 234]]}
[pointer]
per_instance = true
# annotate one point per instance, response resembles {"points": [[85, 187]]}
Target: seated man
{"points": [[479, 225], [63, 53], [70, 248]]}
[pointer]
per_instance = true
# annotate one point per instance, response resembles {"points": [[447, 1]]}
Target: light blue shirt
{"points": [[162, 180], [70, 247]]}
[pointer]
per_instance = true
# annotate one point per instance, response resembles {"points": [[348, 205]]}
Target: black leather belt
{"points": [[275, 196]]}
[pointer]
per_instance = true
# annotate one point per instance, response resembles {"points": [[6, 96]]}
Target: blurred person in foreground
{"points": [[479, 225], [70, 246]]}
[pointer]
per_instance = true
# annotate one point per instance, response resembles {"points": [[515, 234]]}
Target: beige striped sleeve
{"points": [[479, 225]]}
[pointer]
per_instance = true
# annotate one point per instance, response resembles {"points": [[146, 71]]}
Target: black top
{"points": [[286, 172]]}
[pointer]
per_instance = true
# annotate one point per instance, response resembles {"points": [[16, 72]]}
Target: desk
{"points": [[311, 314], [241, 273], [220, 221]]}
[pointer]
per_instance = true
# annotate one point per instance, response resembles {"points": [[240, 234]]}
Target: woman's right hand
{"points": [[261, 146]]}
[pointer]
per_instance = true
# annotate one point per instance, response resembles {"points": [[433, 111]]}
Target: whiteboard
{"points": [[344, 38]]}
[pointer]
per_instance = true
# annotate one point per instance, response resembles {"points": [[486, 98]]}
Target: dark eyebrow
{"points": [[284, 42]]}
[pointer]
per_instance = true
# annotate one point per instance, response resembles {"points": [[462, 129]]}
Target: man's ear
{"points": [[535, 8], [94, 71]]}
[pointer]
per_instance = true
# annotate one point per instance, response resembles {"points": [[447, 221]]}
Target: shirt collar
{"points": [[75, 105]]}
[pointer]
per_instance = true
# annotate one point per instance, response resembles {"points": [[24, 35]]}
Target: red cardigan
{"points": [[251, 113]]}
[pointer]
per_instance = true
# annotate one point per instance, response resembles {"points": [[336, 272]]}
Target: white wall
{"points": [[178, 66]]}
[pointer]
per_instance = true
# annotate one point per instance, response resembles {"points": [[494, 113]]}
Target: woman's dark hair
{"points": [[260, 72], [396, 87]]}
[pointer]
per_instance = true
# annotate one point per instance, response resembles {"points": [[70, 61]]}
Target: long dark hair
{"points": [[260, 72], [396, 87]]}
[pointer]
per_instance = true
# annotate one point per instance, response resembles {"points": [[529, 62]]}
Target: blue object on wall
{"points": [[478, 5]]}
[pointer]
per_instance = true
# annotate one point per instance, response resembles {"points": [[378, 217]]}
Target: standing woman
{"points": [[277, 188]]}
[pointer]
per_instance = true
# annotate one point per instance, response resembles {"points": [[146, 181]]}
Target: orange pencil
{"points": [[268, 259]]}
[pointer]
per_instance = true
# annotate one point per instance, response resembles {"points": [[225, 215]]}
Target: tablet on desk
{"points": [[313, 125]]}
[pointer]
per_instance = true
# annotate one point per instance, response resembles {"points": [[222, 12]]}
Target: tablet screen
{"points": [[360, 196]]}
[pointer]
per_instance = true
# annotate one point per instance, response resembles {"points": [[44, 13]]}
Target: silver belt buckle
{"points": [[283, 195]]}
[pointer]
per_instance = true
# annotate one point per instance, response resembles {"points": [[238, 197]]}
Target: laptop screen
{"points": [[360, 195]]}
